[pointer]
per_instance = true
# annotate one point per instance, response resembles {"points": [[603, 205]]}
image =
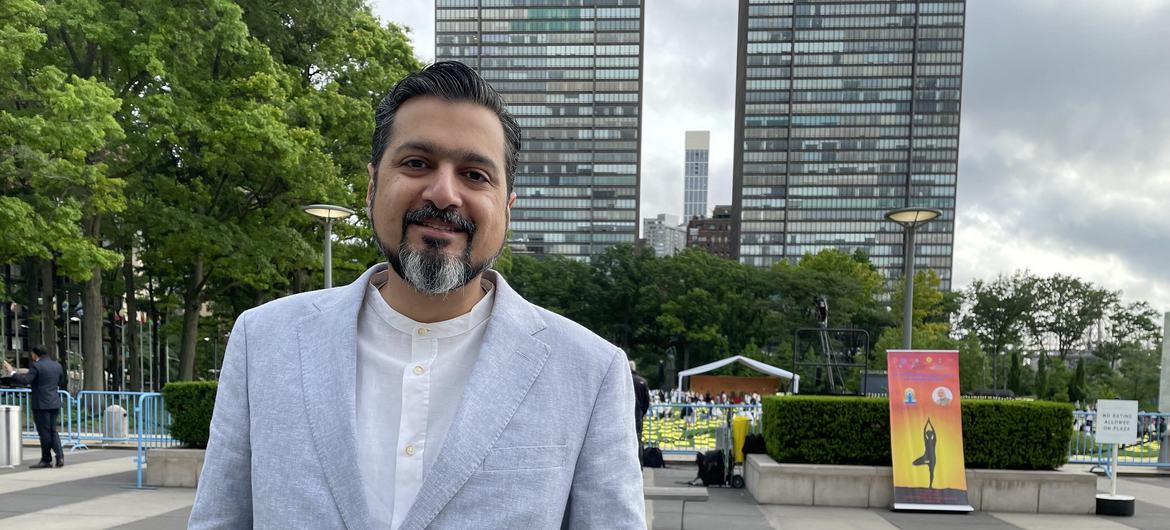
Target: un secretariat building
{"points": [[846, 110], [571, 74]]}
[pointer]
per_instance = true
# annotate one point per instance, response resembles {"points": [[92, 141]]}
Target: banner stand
{"points": [[1116, 423], [926, 431]]}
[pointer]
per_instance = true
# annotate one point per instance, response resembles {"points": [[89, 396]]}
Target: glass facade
{"points": [[570, 71], [698, 144], [846, 110]]}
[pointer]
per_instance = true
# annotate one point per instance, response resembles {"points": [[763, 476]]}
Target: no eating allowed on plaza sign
{"points": [[1116, 421]]}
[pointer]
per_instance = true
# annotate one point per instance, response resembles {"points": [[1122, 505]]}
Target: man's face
{"points": [[438, 199]]}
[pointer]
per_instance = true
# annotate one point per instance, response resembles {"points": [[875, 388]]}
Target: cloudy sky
{"points": [[1064, 163]]}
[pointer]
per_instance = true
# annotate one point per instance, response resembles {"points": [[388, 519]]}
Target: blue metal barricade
{"points": [[152, 428], [687, 428], [21, 398], [105, 418], [1151, 449]]}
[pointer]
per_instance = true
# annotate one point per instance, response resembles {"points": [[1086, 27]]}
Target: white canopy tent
{"points": [[766, 368]]}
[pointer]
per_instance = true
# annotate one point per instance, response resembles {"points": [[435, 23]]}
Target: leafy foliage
{"points": [[190, 404], [856, 431]]}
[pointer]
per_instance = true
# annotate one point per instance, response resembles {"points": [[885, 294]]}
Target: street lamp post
{"points": [[910, 219], [327, 214]]}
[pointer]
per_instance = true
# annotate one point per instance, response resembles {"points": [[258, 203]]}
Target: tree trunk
{"points": [[48, 308], [116, 335], [29, 271], [300, 279], [132, 319], [191, 321], [158, 368], [91, 333]]}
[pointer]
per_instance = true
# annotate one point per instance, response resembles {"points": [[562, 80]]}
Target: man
{"points": [[641, 405], [45, 376], [427, 394]]}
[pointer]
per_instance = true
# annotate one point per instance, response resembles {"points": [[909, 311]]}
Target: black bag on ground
{"points": [[652, 457], [754, 445], [712, 470]]}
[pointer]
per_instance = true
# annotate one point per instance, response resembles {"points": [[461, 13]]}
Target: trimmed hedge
{"points": [[190, 404], [856, 431]]}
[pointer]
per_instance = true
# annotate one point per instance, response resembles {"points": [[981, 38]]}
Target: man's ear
{"points": [[511, 200], [372, 186]]}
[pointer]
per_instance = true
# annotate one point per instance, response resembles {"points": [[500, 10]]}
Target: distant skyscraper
{"points": [[570, 71], [698, 145], [844, 111], [664, 234]]}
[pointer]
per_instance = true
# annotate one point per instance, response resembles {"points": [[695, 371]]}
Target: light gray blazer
{"points": [[543, 438]]}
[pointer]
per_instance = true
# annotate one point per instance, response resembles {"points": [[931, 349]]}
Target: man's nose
{"points": [[443, 189]]}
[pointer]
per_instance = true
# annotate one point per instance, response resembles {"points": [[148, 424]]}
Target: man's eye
{"points": [[415, 163], [477, 176]]}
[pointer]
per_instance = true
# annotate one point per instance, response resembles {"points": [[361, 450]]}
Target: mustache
{"points": [[428, 212]]}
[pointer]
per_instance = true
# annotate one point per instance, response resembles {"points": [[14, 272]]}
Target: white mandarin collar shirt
{"points": [[410, 379]]}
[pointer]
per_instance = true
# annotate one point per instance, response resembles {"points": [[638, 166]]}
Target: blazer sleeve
{"points": [[607, 482], [26, 378], [224, 495]]}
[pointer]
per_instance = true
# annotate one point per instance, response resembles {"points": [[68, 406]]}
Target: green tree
{"points": [[1127, 326], [1066, 308], [1138, 375], [1014, 381], [1041, 387], [1078, 387], [242, 128], [997, 313], [56, 132]]}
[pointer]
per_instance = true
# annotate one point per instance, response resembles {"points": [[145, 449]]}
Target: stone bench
{"points": [[173, 467], [688, 494], [993, 490]]}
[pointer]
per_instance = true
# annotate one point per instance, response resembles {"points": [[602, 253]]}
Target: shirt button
{"points": [[409, 449], [418, 369], [422, 332]]}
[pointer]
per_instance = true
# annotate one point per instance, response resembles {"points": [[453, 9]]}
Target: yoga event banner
{"points": [[926, 431]]}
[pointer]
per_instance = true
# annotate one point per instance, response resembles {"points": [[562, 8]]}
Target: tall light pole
{"points": [[327, 214], [910, 219]]}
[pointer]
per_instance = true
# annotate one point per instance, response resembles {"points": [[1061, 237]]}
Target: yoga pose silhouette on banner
{"points": [[929, 439]]}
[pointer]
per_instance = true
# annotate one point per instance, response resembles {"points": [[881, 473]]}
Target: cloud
{"points": [[1064, 159], [419, 18], [689, 84]]}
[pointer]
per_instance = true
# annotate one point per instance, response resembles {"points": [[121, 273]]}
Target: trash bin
{"points": [[10, 442], [115, 424]]}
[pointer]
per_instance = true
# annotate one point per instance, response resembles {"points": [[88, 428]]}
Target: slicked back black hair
{"points": [[456, 82]]}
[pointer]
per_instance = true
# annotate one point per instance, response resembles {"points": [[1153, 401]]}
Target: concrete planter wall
{"points": [[173, 467], [992, 490]]}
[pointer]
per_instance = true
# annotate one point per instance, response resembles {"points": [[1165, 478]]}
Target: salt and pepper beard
{"points": [[429, 270]]}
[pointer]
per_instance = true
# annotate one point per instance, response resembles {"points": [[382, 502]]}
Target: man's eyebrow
{"points": [[461, 155]]}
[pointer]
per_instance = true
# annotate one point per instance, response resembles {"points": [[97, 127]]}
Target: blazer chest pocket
{"points": [[521, 458]]}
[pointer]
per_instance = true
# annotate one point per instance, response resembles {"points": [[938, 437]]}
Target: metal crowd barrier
{"points": [[136, 419], [21, 398], [152, 428], [1152, 449], [687, 428]]}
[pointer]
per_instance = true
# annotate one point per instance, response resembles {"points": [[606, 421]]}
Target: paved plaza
{"points": [[95, 490]]}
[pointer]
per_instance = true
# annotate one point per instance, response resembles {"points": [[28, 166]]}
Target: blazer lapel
{"points": [[327, 341], [508, 363]]}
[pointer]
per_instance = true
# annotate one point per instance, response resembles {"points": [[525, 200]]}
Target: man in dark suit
{"points": [[641, 405], [45, 376]]}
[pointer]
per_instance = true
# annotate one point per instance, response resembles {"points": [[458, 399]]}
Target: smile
{"points": [[442, 227]]}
